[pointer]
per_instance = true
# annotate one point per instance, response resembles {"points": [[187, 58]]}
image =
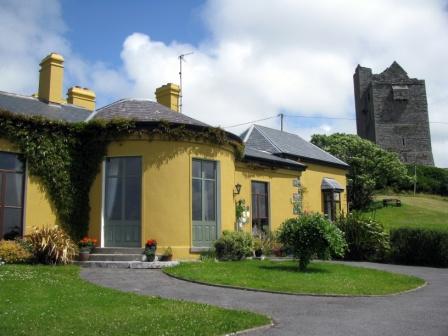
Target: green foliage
{"points": [[264, 243], [430, 180], [419, 247], [66, 157], [365, 237], [309, 235], [13, 252], [51, 245], [235, 245], [209, 255], [370, 166]]}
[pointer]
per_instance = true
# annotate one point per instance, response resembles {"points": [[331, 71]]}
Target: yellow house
{"points": [[181, 192]]}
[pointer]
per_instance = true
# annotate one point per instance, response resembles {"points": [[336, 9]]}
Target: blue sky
{"points": [[97, 29], [252, 58]]}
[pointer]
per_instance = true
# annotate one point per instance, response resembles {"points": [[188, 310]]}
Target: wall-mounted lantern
{"points": [[237, 189]]}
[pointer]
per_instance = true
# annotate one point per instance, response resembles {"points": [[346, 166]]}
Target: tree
{"points": [[370, 166], [309, 235]]}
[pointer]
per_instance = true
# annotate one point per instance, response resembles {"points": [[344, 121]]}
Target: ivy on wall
{"points": [[67, 157]]}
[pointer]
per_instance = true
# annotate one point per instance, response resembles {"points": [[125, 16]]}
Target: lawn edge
{"points": [[294, 294], [259, 328]]}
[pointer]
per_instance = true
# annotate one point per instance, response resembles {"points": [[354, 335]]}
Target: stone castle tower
{"points": [[392, 111]]}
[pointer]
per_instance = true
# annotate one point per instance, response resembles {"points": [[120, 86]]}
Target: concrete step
{"points": [[127, 264], [117, 250], [115, 257]]}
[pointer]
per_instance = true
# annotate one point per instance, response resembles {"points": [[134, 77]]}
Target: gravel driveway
{"points": [[421, 312]]}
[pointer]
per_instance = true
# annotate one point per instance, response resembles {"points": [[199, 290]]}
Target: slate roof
{"points": [[31, 106], [251, 154], [143, 110], [330, 184], [281, 143]]}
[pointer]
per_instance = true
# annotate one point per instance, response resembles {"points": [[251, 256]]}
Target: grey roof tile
{"points": [[250, 154], [278, 143], [30, 106], [143, 110]]}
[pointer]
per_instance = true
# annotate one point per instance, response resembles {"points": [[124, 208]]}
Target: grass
{"points": [[422, 211], [45, 300], [320, 277]]}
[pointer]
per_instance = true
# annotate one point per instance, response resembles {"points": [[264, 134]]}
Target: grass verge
{"points": [[320, 277], [422, 211], [45, 300]]}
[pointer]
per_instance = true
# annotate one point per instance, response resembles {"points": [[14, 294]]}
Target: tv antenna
{"points": [[181, 59]]}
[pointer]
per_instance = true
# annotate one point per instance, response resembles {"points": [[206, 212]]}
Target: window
{"points": [[204, 202], [332, 204], [11, 195], [260, 208]]}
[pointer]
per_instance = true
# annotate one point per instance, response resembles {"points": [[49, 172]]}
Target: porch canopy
{"points": [[331, 184]]}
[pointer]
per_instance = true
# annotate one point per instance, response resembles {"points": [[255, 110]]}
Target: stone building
{"points": [[392, 111]]}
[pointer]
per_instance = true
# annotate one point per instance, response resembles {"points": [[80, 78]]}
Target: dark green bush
{"points": [[233, 246], [309, 235], [419, 247], [366, 238]]}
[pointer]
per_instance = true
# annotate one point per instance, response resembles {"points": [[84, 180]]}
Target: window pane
{"points": [[10, 161], [209, 169], [113, 198], [197, 168], [209, 200], [133, 166], [262, 207], [113, 167], [132, 198], [14, 185], [259, 188], [12, 223], [197, 199]]}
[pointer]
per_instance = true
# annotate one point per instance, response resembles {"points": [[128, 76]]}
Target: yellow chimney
{"points": [[82, 97], [51, 78], [168, 95]]}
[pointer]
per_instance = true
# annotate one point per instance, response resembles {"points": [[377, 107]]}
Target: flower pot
{"points": [[258, 253], [278, 252], [84, 255], [166, 258], [150, 257]]}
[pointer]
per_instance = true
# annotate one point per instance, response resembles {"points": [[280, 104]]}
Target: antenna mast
{"points": [[181, 59]]}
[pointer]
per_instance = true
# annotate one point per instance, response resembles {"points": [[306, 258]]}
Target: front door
{"points": [[122, 217], [204, 203], [11, 195]]}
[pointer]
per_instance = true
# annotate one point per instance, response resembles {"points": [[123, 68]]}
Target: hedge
{"points": [[419, 247]]}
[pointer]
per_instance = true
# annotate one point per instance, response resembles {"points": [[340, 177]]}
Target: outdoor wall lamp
{"points": [[237, 189]]}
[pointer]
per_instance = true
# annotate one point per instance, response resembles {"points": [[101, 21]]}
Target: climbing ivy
{"points": [[66, 157]]}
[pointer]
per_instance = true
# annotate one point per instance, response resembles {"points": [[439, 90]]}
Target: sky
{"points": [[251, 59]]}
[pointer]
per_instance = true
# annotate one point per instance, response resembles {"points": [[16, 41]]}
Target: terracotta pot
{"points": [[84, 255], [166, 258]]}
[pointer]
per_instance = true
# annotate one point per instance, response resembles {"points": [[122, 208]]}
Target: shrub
{"points": [[12, 252], [365, 237], [419, 247], [208, 255], [264, 243], [234, 245], [51, 245], [309, 235]]}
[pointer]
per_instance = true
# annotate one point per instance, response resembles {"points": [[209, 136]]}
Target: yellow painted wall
{"points": [[312, 179], [166, 190], [38, 208], [280, 186]]}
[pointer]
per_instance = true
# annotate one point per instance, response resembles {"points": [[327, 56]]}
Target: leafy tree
{"points": [[309, 235], [370, 166]]}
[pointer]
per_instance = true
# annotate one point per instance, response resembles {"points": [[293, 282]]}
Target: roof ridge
{"points": [[266, 137]]}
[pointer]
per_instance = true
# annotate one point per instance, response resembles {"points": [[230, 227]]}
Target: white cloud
{"points": [[264, 57]]}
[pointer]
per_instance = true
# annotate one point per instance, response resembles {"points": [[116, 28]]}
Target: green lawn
{"points": [[422, 211], [45, 300], [320, 278]]}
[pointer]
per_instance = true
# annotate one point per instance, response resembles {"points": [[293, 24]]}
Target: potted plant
{"points": [[86, 246], [150, 249], [258, 247], [278, 250], [167, 254]]}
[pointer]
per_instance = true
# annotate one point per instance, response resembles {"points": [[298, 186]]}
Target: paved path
{"points": [[422, 312]]}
